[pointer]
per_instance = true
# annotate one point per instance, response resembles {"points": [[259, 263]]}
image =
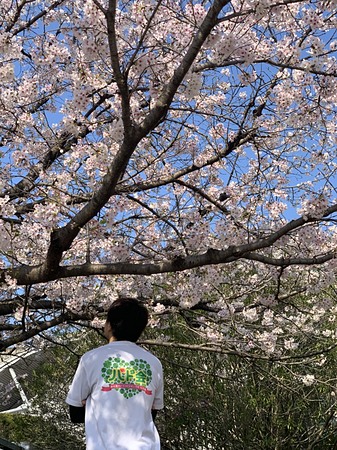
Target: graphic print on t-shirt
{"points": [[127, 378]]}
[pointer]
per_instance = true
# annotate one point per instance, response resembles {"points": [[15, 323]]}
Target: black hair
{"points": [[127, 318]]}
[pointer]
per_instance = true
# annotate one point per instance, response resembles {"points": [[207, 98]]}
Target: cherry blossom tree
{"points": [[182, 152]]}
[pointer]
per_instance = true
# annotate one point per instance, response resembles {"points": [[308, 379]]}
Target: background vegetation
{"points": [[212, 400]]}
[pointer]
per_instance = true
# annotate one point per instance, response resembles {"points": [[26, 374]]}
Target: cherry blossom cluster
{"points": [[245, 144]]}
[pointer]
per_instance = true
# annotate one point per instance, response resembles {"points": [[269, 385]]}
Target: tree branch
{"points": [[32, 275]]}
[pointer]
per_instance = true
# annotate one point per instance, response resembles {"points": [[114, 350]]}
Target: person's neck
{"points": [[112, 339]]}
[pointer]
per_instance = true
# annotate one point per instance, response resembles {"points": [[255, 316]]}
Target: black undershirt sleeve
{"points": [[154, 413], [77, 413]]}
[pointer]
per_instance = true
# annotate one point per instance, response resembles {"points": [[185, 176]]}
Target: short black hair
{"points": [[128, 319]]}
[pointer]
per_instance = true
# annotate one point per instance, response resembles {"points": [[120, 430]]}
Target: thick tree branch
{"points": [[221, 348], [33, 275], [61, 239], [161, 107], [36, 302], [36, 329]]}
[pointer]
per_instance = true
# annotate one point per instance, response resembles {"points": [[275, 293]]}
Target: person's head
{"points": [[126, 320]]}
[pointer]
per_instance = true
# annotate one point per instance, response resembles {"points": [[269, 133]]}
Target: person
{"points": [[118, 388]]}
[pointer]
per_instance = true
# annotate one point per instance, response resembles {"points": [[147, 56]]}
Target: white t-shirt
{"points": [[121, 383]]}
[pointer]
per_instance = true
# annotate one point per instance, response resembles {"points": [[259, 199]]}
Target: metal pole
{"points": [[6, 445]]}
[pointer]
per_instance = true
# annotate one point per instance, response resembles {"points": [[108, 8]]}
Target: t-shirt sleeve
{"points": [[158, 402], [79, 389]]}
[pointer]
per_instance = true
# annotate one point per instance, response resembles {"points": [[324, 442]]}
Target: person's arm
{"points": [[154, 414], [78, 393], [77, 414], [158, 402]]}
